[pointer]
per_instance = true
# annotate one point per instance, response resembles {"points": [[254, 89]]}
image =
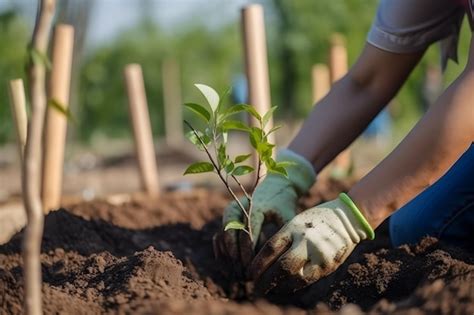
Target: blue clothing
{"points": [[444, 210], [381, 125]]}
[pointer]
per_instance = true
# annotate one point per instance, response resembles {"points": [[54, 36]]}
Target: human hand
{"points": [[312, 245], [274, 201]]}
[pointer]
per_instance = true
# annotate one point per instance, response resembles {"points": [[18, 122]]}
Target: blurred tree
{"points": [[14, 38]]}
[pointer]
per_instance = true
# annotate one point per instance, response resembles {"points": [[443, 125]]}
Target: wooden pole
{"points": [[338, 65], [321, 82], [140, 119], [256, 64], [338, 62], [18, 107], [56, 122], [172, 102]]}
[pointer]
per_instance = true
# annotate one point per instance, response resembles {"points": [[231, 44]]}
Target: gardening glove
{"points": [[274, 200], [312, 245]]}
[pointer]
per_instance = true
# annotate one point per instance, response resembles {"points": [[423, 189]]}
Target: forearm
{"points": [[335, 122], [433, 145], [352, 103]]}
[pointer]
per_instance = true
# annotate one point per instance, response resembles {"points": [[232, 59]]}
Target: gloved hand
{"points": [[312, 245], [274, 200]]}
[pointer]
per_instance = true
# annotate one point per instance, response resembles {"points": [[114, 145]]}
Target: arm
{"points": [[352, 103], [434, 144]]}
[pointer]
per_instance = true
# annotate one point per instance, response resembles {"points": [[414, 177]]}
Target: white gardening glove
{"points": [[274, 200], [312, 245]]}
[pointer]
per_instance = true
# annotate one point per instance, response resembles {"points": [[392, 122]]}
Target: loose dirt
{"points": [[150, 257]]}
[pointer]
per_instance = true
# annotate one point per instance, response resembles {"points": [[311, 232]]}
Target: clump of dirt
{"points": [[146, 257]]}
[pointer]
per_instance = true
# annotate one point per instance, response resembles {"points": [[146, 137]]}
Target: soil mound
{"points": [[145, 257]]}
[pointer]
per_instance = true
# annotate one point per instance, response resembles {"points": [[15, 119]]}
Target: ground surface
{"points": [[144, 257]]}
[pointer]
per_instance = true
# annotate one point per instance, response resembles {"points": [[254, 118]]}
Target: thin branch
{"points": [[258, 177], [31, 170], [242, 188], [220, 174]]}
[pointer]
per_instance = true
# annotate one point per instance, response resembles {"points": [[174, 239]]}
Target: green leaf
{"points": [[268, 115], [278, 170], [222, 98], [234, 125], [200, 110], [234, 225], [238, 108], [252, 111], [255, 137], [210, 94], [274, 129], [264, 149], [241, 158], [61, 109], [229, 167], [285, 164], [221, 155], [39, 58], [191, 136], [199, 167], [242, 170]]}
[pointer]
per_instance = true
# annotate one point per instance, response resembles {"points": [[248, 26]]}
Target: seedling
{"points": [[219, 121]]}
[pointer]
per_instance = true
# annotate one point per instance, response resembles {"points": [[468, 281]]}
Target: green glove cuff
{"points": [[348, 202], [301, 173]]}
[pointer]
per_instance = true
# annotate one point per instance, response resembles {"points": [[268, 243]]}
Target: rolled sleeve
{"points": [[407, 26]]}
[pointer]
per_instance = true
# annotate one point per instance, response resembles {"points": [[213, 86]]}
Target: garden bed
{"points": [[144, 257]]}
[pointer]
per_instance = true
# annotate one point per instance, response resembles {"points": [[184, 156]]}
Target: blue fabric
{"points": [[381, 125], [444, 210], [239, 89]]}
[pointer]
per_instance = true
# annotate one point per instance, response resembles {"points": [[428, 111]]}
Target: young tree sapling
{"points": [[219, 121]]}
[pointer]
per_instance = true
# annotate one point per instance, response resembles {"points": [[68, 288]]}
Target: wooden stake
{"points": [[320, 81], [256, 64], [172, 102], [56, 122], [338, 65], [18, 107], [140, 119], [338, 62]]}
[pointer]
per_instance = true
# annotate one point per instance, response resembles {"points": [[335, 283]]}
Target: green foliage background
{"points": [[298, 36]]}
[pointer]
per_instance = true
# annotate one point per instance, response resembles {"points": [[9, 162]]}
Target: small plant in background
{"points": [[212, 140]]}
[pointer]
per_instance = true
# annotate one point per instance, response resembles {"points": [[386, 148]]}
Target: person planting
{"points": [[428, 177]]}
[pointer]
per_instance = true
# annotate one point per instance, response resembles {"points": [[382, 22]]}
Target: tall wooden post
{"points": [[140, 120], [338, 65], [320, 80], [172, 102], [56, 122], [256, 63], [18, 107]]}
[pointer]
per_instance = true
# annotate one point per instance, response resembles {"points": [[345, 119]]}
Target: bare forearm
{"points": [[352, 103], [335, 122], [435, 143]]}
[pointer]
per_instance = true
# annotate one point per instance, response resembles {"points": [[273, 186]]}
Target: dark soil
{"points": [[147, 257]]}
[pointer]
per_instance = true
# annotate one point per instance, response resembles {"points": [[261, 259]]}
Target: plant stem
{"points": [[31, 168], [234, 196]]}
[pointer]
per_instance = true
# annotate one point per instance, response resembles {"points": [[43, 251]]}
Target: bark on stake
{"points": [[320, 81], [141, 128], [56, 122], [256, 64], [31, 170], [172, 102], [18, 107], [338, 68]]}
